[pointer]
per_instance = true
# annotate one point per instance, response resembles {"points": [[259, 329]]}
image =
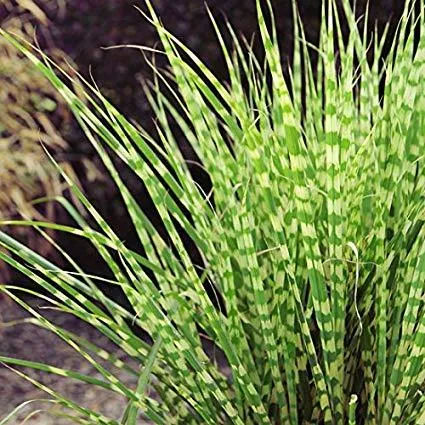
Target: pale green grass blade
{"points": [[131, 412]]}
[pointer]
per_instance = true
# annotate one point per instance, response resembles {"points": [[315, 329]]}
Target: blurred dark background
{"points": [[88, 25]]}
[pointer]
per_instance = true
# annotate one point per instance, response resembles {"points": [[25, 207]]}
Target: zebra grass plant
{"points": [[312, 234]]}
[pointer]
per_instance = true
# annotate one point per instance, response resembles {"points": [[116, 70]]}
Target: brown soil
{"points": [[29, 342]]}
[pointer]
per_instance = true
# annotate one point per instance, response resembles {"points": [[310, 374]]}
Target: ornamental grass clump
{"points": [[311, 240]]}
